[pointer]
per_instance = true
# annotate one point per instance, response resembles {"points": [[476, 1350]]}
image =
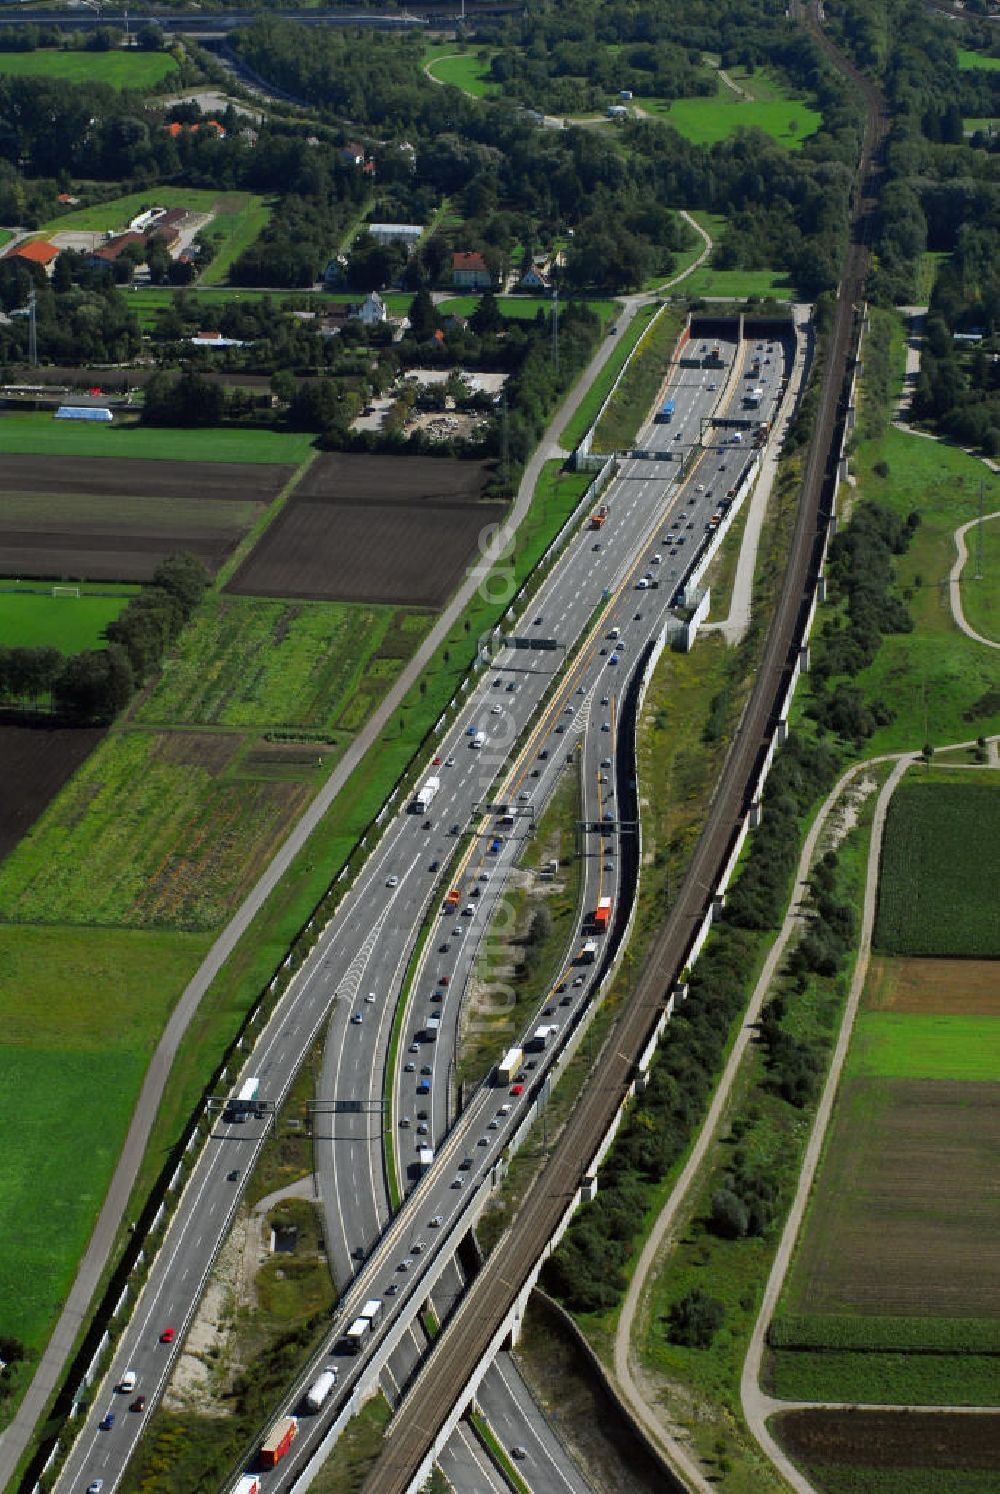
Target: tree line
{"points": [[93, 686], [587, 1271]]}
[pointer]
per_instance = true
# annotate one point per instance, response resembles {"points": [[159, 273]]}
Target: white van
{"points": [[478, 739], [128, 1383]]}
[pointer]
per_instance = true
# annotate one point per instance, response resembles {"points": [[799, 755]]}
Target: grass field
{"points": [[131, 69], [704, 121], [936, 893], [250, 662], [35, 432], [911, 1045], [32, 619], [469, 71], [525, 308], [237, 221], [967, 59], [930, 262], [71, 1060], [156, 830], [890, 1378], [981, 599], [737, 285], [941, 685]]}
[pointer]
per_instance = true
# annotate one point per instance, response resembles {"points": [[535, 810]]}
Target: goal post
{"points": [[65, 591]]}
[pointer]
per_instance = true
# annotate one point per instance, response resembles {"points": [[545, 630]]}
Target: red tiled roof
{"points": [[461, 261], [38, 251], [114, 247]]}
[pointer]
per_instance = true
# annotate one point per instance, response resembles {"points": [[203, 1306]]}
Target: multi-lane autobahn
{"points": [[364, 952]]}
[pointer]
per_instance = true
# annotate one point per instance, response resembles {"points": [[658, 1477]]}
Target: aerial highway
{"points": [[366, 947]]}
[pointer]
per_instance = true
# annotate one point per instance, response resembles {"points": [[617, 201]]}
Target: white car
{"points": [[358, 1018], [371, 998], [656, 559], [392, 881], [642, 584], [496, 710]]}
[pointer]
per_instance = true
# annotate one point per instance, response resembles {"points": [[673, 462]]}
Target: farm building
{"points": [[470, 272], [99, 413], [396, 233], [36, 252]]}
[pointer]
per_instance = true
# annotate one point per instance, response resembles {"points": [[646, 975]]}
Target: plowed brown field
{"points": [[962, 988], [35, 762], [372, 529], [893, 1439]]}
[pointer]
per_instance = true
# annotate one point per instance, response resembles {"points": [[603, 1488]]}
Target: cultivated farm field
{"points": [[131, 69], [958, 987], [936, 895], [155, 830], [101, 519], [885, 1452], [373, 529], [257, 663]]}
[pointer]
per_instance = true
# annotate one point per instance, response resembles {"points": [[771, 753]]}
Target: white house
{"points": [[372, 310]]}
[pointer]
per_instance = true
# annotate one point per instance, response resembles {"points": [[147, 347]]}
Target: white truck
{"points": [[425, 795], [509, 1065], [588, 953], [356, 1335], [479, 740], [320, 1389], [539, 1038], [372, 1311], [425, 1160], [248, 1484]]}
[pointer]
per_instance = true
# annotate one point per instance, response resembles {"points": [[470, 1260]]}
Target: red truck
{"points": [[598, 517], [279, 1440], [602, 915]]}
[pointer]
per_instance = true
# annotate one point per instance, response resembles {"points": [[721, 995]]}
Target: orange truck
{"points": [[452, 900], [599, 516], [602, 915], [279, 1440]]}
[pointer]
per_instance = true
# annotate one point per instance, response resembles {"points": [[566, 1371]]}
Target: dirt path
{"points": [[955, 580], [626, 1370], [757, 1406]]}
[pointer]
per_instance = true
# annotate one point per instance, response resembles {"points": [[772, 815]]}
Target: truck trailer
{"points": [[248, 1484], [320, 1389], [279, 1439], [243, 1104], [539, 1038], [602, 914], [665, 413], [425, 1160], [425, 795], [356, 1335], [509, 1065], [588, 953]]}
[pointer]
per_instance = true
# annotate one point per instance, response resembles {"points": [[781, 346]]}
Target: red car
{"points": [[442, 980], [168, 1335], [517, 1089], [435, 762]]}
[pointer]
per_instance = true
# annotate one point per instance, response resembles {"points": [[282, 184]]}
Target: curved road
{"points": [[955, 582], [15, 1437]]}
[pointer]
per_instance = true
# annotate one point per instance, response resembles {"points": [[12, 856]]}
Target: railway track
{"points": [[465, 1340]]}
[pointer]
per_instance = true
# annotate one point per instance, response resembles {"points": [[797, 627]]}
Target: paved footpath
{"points": [[955, 581]]}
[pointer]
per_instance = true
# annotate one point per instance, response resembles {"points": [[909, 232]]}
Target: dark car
{"points": [[434, 866], [139, 1404], [234, 1176], [108, 1421], [443, 948], [456, 829]]}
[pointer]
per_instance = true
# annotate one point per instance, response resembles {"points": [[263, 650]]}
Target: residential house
{"points": [[35, 252], [470, 272], [115, 246], [352, 154], [535, 278], [372, 311]]}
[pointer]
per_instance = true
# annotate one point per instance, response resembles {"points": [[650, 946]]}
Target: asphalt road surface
{"points": [[366, 946]]}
